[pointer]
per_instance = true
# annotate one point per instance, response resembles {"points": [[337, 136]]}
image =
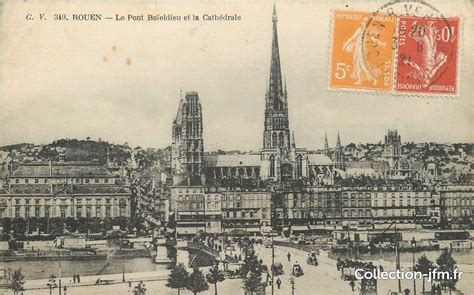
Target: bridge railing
{"points": [[214, 252]]}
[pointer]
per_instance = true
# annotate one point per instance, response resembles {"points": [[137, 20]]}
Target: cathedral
{"points": [[279, 161]]}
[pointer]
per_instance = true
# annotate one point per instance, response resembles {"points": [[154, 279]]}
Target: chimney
{"points": [[50, 166]]}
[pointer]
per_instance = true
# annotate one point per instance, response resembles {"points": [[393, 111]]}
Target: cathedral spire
{"points": [[276, 87], [277, 127], [338, 154], [326, 145]]}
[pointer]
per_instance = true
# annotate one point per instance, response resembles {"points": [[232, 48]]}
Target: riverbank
{"points": [[325, 277]]}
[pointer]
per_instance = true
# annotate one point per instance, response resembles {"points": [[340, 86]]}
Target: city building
{"points": [[401, 202], [456, 203], [64, 190], [188, 207], [246, 211], [308, 209]]}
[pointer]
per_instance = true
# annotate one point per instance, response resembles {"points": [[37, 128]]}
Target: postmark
{"points": [[427, 57], [362, 56]]}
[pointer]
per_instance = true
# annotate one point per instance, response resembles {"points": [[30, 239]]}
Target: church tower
{"points": [[281, 160], [392, 150], [338, 154], [327, 153], [187, 144], [276, 132]]}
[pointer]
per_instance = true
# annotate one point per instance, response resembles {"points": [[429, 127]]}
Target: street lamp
{"points": [[413, 245], [123, 272], [397, 259], [273, 266], [292, 282]]}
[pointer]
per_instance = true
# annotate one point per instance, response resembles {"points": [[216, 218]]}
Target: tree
{"points": [[19, 226], [7, 227], [178, 278], [253, 282], [447, 264], [56, 226], [424, 266], [251, 263], [215, 276], [197, 282], [140, 289], [18, 280]]}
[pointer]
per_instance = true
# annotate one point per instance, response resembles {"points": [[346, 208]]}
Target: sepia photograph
{"points": [[236, 147]]}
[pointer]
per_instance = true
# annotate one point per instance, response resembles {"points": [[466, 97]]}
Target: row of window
{"points": [[243, 214], [459, 202], [193, 191], [400, 212], [384, 195], [64, 209], [73, 180], [401, 202], [62, 201]]}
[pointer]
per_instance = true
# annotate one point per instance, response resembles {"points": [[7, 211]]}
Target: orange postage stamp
{"points": [[362, 50]]}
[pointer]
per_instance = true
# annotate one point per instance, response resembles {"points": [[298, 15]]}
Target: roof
{"points": [[360, 171], [61, 170], [319, 159], [242, 160], [376, 165]]}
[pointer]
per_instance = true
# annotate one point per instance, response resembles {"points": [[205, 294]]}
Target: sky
{"points": [[121, 81]]}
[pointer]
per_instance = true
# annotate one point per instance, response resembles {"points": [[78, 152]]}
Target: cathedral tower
{"points": [[187, 145], [281, 160], [276, 132]]}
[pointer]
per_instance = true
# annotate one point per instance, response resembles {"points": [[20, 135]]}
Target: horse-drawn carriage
{"points": [[348, 274], [277, 269], [297, 271], [312, 261], [232, 274]]}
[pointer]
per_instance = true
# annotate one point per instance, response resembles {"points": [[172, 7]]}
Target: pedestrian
{"points": [[352, 284], [74, 278], [278, 283], [407, 291], [381, 268], [78, 278], [289, 256]]}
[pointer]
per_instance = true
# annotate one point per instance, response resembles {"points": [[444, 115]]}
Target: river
{"points": [[44, 269]]}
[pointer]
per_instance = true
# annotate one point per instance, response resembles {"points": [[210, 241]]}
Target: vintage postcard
{"points": [[236, 147]]}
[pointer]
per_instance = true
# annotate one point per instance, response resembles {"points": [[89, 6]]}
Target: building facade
{"points": [[64, 190], [456, 203]]}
